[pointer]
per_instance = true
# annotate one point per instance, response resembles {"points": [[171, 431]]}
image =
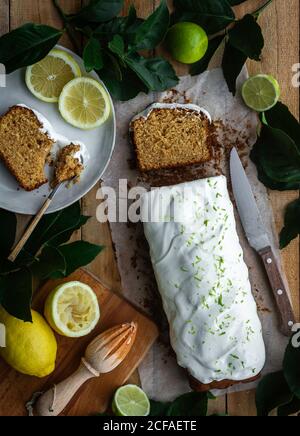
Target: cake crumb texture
{"points": [[67, 166], [170, 138], [24, 147]]}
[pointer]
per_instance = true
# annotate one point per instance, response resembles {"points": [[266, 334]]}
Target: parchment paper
{"points": [[161, 377]]}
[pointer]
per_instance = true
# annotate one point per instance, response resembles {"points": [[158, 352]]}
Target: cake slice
{"points": [[24, 146], [170, 136]]}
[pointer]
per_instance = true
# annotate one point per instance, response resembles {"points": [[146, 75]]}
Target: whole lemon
{"points": [[187, 42], [30, 347]]}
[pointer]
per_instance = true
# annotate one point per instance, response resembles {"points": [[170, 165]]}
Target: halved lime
{"points": [[84, 103], [130, 400], [261, 92], [47, 78], [72, 309]]}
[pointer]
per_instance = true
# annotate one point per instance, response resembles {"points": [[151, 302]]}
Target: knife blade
{"points": [[254, 228], [258, 239]]}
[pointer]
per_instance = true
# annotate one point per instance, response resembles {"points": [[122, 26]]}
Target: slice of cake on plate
{"points": [[28, 142], [204, 282], [171, 135], [25, 144]]}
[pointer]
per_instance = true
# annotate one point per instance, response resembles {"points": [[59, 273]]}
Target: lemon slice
{"points": [[84, 103], [72, 309], [130, 400], [261, 92], [47, 78]]}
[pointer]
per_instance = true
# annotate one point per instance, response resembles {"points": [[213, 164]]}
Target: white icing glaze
{"points": [[60, 141], [145, 113], [204, 282]]}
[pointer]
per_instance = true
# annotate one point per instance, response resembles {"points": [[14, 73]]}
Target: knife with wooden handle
{"points": [[258, 239]]}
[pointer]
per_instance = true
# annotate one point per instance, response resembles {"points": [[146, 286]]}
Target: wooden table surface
{"points": [[280, 24]]}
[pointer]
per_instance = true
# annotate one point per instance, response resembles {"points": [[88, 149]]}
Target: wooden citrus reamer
{"points": [[103, 355]]}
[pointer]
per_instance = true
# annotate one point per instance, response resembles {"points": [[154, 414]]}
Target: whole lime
{"points": [[187, 42]]}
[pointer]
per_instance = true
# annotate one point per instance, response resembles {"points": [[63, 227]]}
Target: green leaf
{"points": [[125, 87], [191, 404], [16, 294], [153, 30], [277, 158], [98, 11], [232, 64], [92, 55], [291, 227], [290, 408], [53, 225], [279, 136], [263, 177], [50, 262], [64, 237], [27, 45], [202, 65], [156, 73], [284, 164], [8, 226], [159, 409], [117, 46], [124, 26], [272, 392], [77, 255], [291, 368], [281, 118], [212, 15], [246, 36]]}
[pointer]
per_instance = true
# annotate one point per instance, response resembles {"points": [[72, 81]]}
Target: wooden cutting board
{"points": [[95, 396]]}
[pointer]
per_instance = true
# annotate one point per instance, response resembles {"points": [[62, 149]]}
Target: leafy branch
{"points": [[277, 158], [243, 38], [45, 256], [125, 74]]}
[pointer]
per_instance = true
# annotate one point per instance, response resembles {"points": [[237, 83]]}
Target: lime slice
{"points": [[72, 309], [187, 42], [47, 78], [130, 400], [261, 92], [84, 103]]}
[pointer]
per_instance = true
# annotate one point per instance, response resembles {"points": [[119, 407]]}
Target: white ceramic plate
{"points": [[99, 142]]}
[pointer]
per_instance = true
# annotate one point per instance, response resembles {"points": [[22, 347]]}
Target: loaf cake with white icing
{"points": [[204, 282]]}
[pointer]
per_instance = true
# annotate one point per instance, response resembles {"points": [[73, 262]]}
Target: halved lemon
{"points": [[47, 78], [84, 103], [72, 309]]}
